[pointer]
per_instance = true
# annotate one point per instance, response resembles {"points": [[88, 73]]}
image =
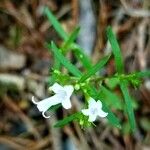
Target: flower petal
{"points": [[43, 114], [33, 100], [85, 112], [92, 118], [99, 104], [101, 113], [66, 103], [69, 90], [56, 88], [92, 103], [45, 104]]}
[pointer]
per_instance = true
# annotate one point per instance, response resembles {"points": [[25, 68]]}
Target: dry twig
{"points": [[134, 12]]}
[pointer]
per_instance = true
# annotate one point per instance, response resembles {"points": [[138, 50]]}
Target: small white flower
{"points": [[94, 110], [62, 95]]}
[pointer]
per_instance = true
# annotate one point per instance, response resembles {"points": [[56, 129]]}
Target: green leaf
{"points": [[70, 39], [143, 74], [128, 102], [54, 108], [126, 128], [79, 53], [95, 68], [64, 61], [112, 82], [110, 98], [115, 49], [113, 120], [56, 66], [67, 120], [53, 20]]}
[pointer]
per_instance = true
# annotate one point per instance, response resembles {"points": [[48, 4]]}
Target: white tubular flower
{"points": [[62, 95], [94, 110]]}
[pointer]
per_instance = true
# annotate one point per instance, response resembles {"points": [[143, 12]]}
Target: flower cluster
{"points": [[62, 96]]}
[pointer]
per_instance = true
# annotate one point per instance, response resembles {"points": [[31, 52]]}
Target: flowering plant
{"points": [[98, 90], [62, 95]]}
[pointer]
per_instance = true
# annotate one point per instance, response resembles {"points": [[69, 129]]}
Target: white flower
{"points": [[62, 95], [94, 110]]}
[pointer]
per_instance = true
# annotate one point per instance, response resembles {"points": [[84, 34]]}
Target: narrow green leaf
{"points": [[128, 102], [110, 98], [95, 68], [126, 128], [113, 120], [64, 61], [115, 49], [54, 108], [143, 74], [56, 66], [71, 39], [67, 120], [79, 53], [53, 20]]}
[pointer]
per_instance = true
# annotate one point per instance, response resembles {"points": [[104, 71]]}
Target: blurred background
{"points": [[25, 64]]}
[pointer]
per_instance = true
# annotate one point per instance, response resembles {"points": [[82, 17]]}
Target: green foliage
{"points": [[67, 120], [112, 82], [54, 108], [120, 69], [112, 99], [70, 40], [78, 51], [142, 74], [76, 48], [56, 66], [90, 83], [64, 61], [52, 19], [126, 128], [128, 102], [111, 117], [115, 49], [95, 68]]}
